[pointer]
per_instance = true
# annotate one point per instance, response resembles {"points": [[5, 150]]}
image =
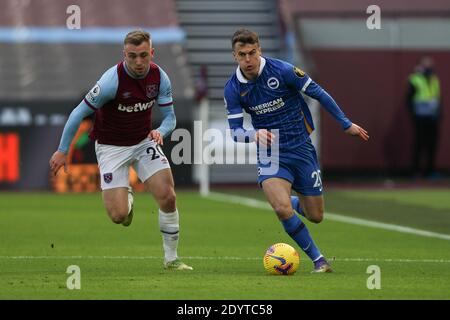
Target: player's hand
{"points": [[264, 137], [356, 130], [58, 160], [156, 136]]}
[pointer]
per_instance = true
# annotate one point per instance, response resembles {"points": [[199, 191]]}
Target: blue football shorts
{"points": [[299, 166]]}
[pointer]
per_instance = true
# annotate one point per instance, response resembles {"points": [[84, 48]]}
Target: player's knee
{"points": [[316, 219], [283, 211], [317, 216], [170, 197], [168, 200], [118, 216], [118, 219]]}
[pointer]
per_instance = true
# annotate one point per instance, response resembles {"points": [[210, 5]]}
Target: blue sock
{"points": [[295, 201], [298, 231]]}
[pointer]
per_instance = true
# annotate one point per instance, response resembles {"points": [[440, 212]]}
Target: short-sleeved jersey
{"points": [[273, 101], [123, 104]]}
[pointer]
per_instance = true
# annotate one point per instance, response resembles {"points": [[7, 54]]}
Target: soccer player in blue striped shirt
{"points": [[269, 90]]}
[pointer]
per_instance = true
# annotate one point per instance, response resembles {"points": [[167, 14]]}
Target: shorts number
{"points": [[155, 153], [318, 182]]}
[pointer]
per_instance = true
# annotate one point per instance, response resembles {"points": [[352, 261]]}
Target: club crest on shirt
{"points": [[126, 95], [273, 83], [108, 177], [299, 72], [152, 90]]}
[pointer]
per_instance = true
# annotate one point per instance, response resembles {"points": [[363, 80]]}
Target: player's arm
{"points": [[235, 116], [302, 82], [76, 116], [315, 91], [104, 91], [165, 102], [236, 121]]}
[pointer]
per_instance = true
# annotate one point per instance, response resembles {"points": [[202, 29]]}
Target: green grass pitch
{"points": [[41, 234]]}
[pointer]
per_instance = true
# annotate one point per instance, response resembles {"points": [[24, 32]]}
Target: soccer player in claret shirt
{"points": [[122, 101], [269, 90]]}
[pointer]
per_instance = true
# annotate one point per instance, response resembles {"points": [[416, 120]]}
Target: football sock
{"points": [[295, 201], [169, 226], [130, 203], [298, 231]]}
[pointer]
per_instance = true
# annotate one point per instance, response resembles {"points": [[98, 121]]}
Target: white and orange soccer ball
{"points": [[281, 259]]}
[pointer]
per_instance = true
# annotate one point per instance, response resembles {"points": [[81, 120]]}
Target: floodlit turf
{"points": [[41, 234]]}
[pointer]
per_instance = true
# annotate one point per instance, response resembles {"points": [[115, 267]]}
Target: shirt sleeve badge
{"points": [[299, 72]]}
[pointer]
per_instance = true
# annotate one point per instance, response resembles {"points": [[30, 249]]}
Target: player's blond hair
{"points": [[244, 36], [136, 37]]}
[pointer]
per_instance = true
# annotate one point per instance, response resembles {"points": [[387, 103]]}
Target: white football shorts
{"points": [[114, 162]]}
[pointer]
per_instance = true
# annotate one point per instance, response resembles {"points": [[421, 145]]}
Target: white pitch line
{"points": [[331, 216], [212, 258]]}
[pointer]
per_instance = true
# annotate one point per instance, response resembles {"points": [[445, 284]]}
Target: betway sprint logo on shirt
{"points": [[137, 107], [268, 106]]}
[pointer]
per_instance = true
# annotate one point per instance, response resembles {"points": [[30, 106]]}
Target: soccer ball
{"points": [[282, 259]]}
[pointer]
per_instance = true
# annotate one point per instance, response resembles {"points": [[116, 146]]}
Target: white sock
{"points": [[130, 202], [169, 226]]}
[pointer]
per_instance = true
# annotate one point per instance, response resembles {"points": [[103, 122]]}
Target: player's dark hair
{"points": [[244, 36], [136, 37]]}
